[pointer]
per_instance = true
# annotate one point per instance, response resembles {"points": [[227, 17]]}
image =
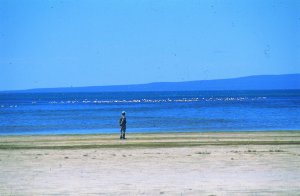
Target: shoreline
{"points": [[149, 140], [149, 133]]}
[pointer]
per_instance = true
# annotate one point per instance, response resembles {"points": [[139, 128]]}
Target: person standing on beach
{"points": [[122, 123]]}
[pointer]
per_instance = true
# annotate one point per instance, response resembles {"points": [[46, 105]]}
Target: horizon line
{"points": [[112, 85]]}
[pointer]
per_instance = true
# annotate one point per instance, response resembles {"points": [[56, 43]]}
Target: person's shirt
{"points": [[122, 121]]}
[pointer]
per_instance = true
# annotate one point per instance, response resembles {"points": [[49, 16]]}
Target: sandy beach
{"points": [[248, 163]]}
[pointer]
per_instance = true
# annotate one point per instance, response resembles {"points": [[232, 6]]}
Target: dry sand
{"points": [[152, 164]]}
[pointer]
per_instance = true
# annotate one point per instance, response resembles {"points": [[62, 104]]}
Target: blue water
{"points": [[73, 113]]}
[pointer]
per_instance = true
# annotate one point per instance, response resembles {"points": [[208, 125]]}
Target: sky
{"points": [[64, 43]]}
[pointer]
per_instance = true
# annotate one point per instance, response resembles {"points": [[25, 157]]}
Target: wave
{"points": [[96, 101], [120, 101]]}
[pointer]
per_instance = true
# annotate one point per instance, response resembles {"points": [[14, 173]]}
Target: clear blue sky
{"points": [[97, 42]]}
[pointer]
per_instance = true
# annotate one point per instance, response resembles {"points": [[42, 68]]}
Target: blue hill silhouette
{"points": [[260, 82]]}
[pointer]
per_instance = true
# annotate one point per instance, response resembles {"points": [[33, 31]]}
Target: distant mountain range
{"points": [[260, 82]]}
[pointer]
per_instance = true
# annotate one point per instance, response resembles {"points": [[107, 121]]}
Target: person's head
{"points": [[123, 113]]}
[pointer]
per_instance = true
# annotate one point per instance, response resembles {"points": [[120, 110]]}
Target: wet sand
{"points": [[254, 163]]}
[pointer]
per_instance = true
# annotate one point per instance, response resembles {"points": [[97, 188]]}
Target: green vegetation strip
{"points": [[145, 145], [141, 139]]}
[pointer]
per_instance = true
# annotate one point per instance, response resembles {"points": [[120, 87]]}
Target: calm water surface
{"points": [[71, 113]]}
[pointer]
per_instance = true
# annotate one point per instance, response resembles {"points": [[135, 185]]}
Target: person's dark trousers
{"points": [[122, 136]]}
